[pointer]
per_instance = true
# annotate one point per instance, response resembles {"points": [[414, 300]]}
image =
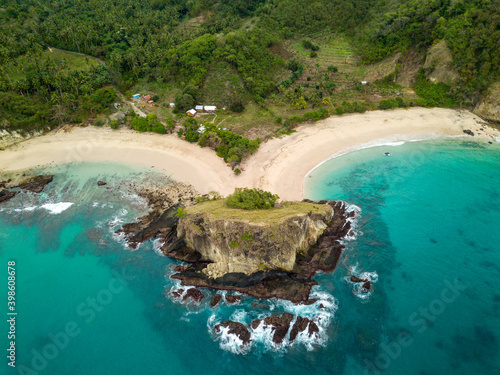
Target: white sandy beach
{"points": [[280, 165]]}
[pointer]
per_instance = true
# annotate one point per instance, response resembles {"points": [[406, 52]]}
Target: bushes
{"points": [[391, 103], [332, 68], [149, 123], [431, 94], [114, 124], [237, 106], [251, 199]]}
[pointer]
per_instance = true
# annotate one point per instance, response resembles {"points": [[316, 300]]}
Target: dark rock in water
{"points": [[469, 132], [177, 293], [300, 325], [233, 299], [309, 302], [280, 324], [260, 284], [5, 195], [194, 294], [432, 240], [101, 183], [367, 285], [356, 279], [215, 300], [235, 328], [36, 184], [152, 225]]}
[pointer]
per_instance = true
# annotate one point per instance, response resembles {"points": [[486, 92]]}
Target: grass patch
{"points": [[217, 210]]}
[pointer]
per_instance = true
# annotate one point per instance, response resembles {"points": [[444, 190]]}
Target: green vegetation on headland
{"points": [[251, 199], [218, 210], [267, 65]]}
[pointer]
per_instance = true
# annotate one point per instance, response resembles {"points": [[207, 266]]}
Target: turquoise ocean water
{"points": [[426, 235]]}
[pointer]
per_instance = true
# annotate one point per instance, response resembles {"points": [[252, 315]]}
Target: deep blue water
{"points": [[426, 235]]}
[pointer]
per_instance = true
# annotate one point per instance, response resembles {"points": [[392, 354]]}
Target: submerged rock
{"points": [[101, 183]]}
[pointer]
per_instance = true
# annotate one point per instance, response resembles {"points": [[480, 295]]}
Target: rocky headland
{"points": [[261, 253]]}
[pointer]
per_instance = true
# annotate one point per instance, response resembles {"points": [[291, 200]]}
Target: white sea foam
{"points": [[56, 208], [27, 208], [157, 244]]}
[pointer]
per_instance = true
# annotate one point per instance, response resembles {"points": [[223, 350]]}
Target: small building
{"points": [[172, 105], [201, 129], [364, 83], [147, 97], [136, 96], [199, 108], [210, 108], [191, 113]]}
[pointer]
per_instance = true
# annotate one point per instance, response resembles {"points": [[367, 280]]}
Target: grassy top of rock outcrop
{"points": [[218, 210]]}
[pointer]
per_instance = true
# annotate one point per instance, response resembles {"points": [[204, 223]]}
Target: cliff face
{"points": [[246, 247], [489, 108]]}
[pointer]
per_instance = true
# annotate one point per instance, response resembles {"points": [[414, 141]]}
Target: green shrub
{"points": [[332, 68], [237, 171], [313, 54], [237, 106], [339, 111], [234, 244], [114, 124], [155, 98], [181, 212], [251, 199], [388, 104]]}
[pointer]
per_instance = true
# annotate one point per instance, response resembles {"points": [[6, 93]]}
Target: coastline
{"points": [[280, 165]]}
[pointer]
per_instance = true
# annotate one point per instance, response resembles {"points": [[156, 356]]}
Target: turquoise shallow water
{"points": [[427, 236]]}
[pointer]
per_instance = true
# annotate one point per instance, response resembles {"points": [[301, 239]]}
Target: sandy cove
{"points": [[280, 165]]}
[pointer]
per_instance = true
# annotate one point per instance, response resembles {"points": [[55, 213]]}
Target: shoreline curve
{"points": [[280, 165]]}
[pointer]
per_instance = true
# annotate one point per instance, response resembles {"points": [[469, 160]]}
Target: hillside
{"points": [[266, 64]]}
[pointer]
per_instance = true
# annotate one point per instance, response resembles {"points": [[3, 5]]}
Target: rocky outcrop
{"points": [[161, 221], [215, 300], [238, 246], [439, 64], [233, 299], [193, 294], [271, 260], [489, 107], [101, 183], [300, 325], [235, 328], [5, 195], [278, 324], [35, 184]]}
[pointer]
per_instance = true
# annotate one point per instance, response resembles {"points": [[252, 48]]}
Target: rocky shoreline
{"points": [[34, 184], [295, 285]]}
